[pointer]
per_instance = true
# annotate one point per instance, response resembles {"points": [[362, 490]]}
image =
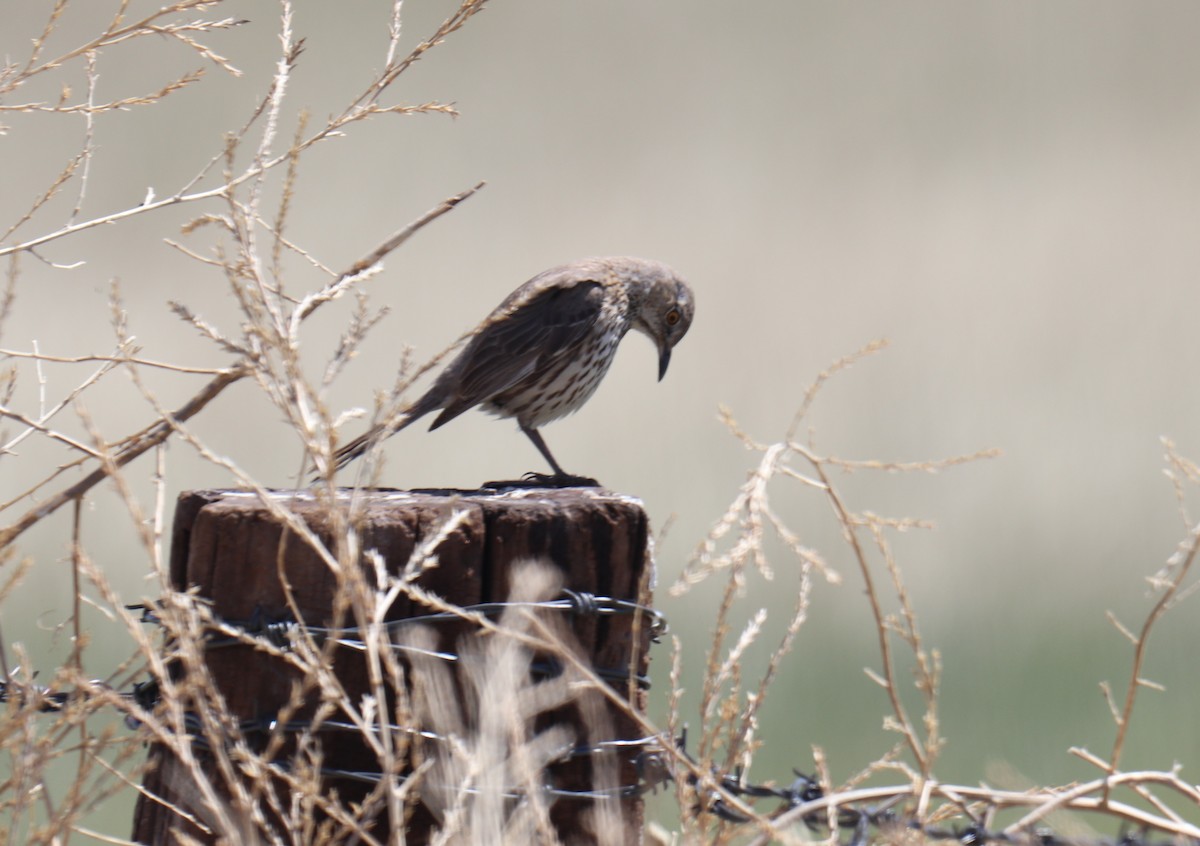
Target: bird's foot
{"points": [[546, 480], [560, 480]]}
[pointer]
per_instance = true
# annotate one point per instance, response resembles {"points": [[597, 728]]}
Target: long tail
{"points": [[430, 401], [356, 447], [368, 439]]}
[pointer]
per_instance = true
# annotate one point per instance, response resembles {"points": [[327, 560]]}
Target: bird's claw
{"points": [[560, 480], [546, 480]]}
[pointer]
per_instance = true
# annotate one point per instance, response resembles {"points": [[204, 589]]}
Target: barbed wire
{"points": [[577, 603], [284, 632], [654, 764]]}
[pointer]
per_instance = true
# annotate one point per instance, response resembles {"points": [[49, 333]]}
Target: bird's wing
{"points": [[527, 333]]}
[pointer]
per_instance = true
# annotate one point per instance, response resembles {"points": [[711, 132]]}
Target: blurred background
{"points": [[1008, 192]]}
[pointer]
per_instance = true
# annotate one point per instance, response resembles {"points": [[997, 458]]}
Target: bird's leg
{"points": [[561, 478], [536, 436]]}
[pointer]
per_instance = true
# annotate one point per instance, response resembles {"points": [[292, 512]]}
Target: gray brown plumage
{"points": [[544, 350]]}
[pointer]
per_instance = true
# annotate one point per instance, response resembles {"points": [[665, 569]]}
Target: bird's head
{"points": [[664, 310]]}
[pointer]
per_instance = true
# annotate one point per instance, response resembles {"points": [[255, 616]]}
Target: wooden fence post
{"points": [[235, 554]]}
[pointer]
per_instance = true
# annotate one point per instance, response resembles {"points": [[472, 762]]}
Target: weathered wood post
{"points": [[233, 552]]}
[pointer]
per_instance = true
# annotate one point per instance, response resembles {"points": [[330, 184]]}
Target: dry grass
{"points": [[481, 774]]}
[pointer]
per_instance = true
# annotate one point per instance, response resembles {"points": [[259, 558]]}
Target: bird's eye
{"points": [[672, 317]]}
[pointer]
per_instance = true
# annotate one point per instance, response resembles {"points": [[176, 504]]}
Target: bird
{"points": [[541, 354]]}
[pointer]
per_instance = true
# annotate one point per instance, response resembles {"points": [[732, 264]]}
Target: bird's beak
{"points": [[664, 358]]}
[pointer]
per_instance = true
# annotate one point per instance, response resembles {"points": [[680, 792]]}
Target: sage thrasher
{"points": [[542, 353]]}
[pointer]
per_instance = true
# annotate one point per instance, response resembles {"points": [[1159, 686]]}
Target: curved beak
{"points": [[664, 358]]}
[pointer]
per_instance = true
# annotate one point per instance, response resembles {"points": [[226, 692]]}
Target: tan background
{"points": [[1009, 192]]}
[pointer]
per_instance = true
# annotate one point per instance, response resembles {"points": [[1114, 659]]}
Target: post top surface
{"points": [[377, 497]]}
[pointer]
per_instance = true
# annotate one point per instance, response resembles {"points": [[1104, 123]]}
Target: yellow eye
{"points": [[672, 317]]}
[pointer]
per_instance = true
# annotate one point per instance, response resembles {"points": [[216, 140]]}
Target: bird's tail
{"points": [[368, 439], [355, 448], [382, 431]]}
